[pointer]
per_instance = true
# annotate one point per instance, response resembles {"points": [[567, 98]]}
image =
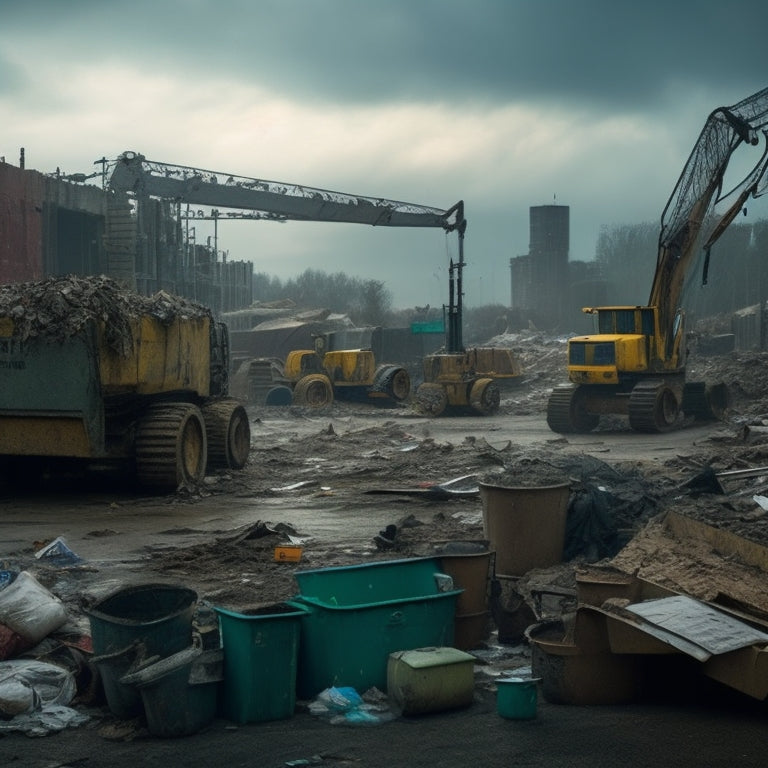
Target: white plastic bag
{"points": [[34, 696], [29, 609]]}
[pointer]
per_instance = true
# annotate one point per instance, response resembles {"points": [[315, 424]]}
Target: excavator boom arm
{"points": [[134, 174], [699, 188]]}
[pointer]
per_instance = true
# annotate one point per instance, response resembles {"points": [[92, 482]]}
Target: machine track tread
{"points": [[652, 407], [171, 446], [228, 432], [565, 415]]}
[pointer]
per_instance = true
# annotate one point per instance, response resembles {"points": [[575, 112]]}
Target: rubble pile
{"points": [[60, 307]]}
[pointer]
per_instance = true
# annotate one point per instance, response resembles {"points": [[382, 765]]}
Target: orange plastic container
{"points": [[289, 553]]}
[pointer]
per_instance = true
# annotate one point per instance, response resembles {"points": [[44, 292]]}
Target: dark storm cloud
{"points": [[591, 52]]}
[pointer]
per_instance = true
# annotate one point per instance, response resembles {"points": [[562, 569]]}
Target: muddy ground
{"points": [[332, 480]]}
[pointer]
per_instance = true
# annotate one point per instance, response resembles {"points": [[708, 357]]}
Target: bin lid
{"points": [[419, 658], [519, 680], [159, 669]]}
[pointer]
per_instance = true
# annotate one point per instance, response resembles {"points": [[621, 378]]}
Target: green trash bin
{"points": [[140, 620], [261, 649]]}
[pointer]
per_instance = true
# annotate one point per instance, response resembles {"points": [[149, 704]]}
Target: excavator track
{"points": [[565, 414], [171, 446], [228, 433], [653, 407]]}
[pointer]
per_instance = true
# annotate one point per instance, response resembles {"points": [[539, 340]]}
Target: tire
{"points": [[171, 447], [431, 399], [279, 395], [314, 390], [393, 381], [484, 397], [229, 434]]}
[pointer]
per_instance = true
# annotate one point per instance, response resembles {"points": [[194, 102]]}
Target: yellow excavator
{"points": [[635, 364]]}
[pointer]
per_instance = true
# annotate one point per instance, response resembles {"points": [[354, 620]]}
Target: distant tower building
{"points": [[540, 279], [520, 274], [550, 234]]}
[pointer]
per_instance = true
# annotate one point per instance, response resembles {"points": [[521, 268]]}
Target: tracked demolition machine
{"points": [[635, 364]]}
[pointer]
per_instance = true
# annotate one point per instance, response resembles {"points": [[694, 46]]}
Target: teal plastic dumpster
{"points": [[357, 615]]}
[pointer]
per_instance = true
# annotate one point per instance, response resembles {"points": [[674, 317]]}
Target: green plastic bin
{"points": [[174, 705], [357, 615], [516, 697], [260, 662], [144, 619]]}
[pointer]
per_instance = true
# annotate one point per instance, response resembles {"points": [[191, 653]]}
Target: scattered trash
{"points": [[345, 706], [58, 553], [29, 609], [288, 553], [386, 538], [34, 696], [295, 486], [461, 487], [6, 577], [708, 480]]}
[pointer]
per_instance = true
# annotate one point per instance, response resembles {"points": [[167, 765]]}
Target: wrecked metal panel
{"points": [[693, 621]]}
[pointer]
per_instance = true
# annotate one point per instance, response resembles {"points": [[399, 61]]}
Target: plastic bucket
{"points": [[470, 630], [124, 700], [148, 619], [516, 697], [261, 649], [470, 572], [172, 704], [525, 525]]}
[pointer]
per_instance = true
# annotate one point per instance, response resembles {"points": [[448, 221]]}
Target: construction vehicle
{"points": [[336, 373], [635, 364], [95, 375], [459, 378], [318, 376]]}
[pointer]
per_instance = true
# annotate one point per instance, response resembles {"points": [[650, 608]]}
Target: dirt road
{"points": [[362, 450], [320, 476]]}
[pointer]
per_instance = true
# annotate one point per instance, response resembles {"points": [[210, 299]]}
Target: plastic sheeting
{"points": [[35, 695]]}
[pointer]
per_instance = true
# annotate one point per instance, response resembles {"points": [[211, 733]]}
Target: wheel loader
{"points": [[319, 377], [96, 375], [459, 379]]}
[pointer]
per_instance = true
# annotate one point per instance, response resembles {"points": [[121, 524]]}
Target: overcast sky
{"points": [[505, 104]]}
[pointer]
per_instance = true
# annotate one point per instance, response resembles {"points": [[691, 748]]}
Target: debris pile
{"points": [[60, 307]]}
